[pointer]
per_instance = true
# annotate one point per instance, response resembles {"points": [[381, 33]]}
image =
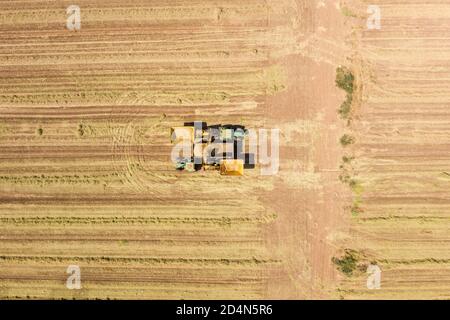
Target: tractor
{"points": [[215, 147]]}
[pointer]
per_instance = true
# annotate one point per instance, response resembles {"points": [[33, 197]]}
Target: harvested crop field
{"points": [[85, 171], [400, 165], [86, 176]]}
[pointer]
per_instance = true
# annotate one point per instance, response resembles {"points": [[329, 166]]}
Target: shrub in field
{"points": [[346, 107], [345, 80], [347, 140], [348, 263]]}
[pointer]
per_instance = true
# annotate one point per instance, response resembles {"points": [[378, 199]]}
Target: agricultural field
{"points": [[398, 166], [87, 180], [85, 172]]}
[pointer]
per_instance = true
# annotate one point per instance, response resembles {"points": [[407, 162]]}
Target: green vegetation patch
{"points": [[347, 140], [348, 263], [345, 80], [347, 12]]}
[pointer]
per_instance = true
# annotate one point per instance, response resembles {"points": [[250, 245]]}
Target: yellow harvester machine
{"points": [[217, 147]]}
